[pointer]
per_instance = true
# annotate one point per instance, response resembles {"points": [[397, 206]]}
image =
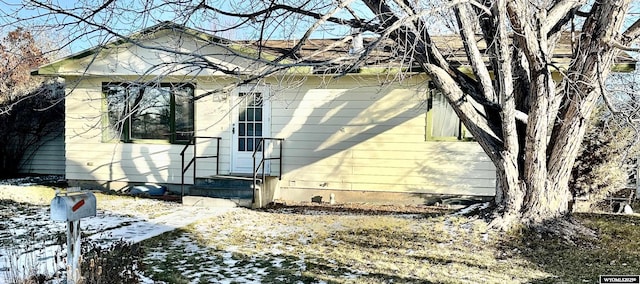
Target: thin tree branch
{"points": [[298, 10], [619, 45], [560, 14]]}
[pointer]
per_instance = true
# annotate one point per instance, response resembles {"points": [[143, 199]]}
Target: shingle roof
{"points": [[386, 53], [331, 55]]}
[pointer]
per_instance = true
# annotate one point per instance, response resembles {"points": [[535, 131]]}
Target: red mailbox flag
{"points": [[77, 205]]}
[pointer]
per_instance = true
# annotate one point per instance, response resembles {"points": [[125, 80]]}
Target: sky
{"points": [[77, 38], [126, 19]]}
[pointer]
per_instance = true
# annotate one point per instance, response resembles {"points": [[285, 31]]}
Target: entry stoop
{"points": [[219, 191]]}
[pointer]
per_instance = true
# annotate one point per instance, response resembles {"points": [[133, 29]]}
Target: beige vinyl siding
{"points": [[348, 138], [48, 158], [89, 158], [363, 138]]}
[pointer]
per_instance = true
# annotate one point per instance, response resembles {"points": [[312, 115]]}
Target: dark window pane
{"points": [[241, 129], [258, 144], [241, 144], [250, 144], [242, 115], [116, 111], [151, 113], [250, 114], [258, 129], [258, 116], [249, 129]]}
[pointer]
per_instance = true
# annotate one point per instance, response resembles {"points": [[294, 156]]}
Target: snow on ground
{"points": [[471, 208], [28, 238], [222, 246]]}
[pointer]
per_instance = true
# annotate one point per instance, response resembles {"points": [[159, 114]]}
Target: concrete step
{"points": [[217, 189], [225, 182], [221, 192]]}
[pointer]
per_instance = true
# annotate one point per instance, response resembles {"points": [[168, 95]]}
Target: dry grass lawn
{"points": [[350, 245], [317, 246]]}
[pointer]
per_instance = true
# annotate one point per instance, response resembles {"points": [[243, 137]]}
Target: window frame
{"points": [[121, 130], [462, 133]]}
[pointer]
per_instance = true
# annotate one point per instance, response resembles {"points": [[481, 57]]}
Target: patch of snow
{"points": [[275, 250], [146, 280], [277, 262], [470, 208], [108, 225], [221, 261], [228, 259], [32, 180]]}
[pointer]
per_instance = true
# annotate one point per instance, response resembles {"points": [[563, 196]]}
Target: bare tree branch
{"points": [[476, 59], [559, 14]]}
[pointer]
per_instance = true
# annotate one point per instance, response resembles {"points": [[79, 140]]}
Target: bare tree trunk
{"points": [[510, 191]]}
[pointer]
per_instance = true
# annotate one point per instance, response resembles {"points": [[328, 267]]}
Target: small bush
{"points": [[116, 263], [607, 152]]}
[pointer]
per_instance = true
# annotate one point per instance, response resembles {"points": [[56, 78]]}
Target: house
{"points": [[132, 107], [34, 140], [46, 159]]}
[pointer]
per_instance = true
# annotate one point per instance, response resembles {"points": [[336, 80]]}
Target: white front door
{"points": [[250, 122]]}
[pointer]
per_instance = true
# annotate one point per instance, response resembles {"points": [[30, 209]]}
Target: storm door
{"points": [[250, 123]]}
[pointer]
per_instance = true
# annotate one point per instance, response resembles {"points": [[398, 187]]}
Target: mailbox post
{"points": [[70, 207]]}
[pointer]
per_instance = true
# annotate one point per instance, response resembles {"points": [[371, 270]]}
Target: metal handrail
{"points": [[192, 161], [257, 166]]}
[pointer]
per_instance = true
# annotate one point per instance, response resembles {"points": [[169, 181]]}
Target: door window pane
{"points": [[250, 144], [258, 116], [241, 129], [250, 129], [259, 129], [250, 114], [241, 144]]}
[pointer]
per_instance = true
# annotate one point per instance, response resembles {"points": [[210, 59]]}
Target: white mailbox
{"points": [[72, 206]]}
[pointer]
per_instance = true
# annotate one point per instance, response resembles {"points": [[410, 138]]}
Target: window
{"points": [[149, 112], [249, 121], [442, 122]]}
